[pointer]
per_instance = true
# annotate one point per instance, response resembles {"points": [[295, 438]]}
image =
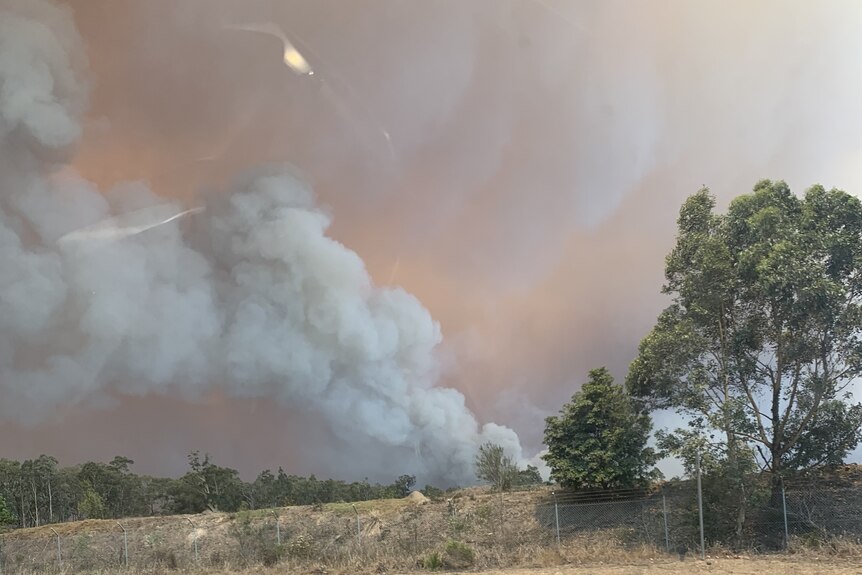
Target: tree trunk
{"points": [[738, 481], [740, 515], [50, 504], [35, 502]]}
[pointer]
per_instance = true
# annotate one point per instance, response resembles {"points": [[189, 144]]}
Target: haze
{"points": [[517, 166]]}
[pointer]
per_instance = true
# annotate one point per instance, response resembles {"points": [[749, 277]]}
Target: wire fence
{"points": [[477, 529]]}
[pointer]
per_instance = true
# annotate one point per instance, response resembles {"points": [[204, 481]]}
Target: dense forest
{"points": [[39, 491]]}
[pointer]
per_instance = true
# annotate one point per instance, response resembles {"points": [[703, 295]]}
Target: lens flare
{"points": [[127, 224], [292, 57]]}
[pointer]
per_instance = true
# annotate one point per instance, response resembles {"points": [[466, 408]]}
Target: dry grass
{"points": [[759, 566], [384, 506], [719, 566], [397, 536]]}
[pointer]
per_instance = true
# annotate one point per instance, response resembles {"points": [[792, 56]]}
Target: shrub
{"points": [[302, 547], [255, 543], [433, 493], [458, 555], [457, 526], [432, 562], [165, 558], [271, 554]]}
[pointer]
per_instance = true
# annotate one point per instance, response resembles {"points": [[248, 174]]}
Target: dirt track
{"points": [[717, 567]]}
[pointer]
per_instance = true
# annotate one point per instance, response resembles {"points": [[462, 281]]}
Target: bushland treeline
{"points": [[38, 491]]}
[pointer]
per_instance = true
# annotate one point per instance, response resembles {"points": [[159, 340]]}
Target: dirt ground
{"points": [[787, 566]]}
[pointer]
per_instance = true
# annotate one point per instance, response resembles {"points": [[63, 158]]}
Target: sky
{"points": [[516, 165]]}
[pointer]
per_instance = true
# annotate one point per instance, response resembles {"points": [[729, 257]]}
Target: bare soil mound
{"points": [[417, 498]]}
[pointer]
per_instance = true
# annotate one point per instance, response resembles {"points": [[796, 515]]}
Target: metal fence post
{"points": [[59, 556], [277, 526], [358, 528], [664, 515], [556, 516], [195, 538], [125, 544], [700, 506], [784, 506]]}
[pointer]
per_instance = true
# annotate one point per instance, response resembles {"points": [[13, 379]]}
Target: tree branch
{"points": [[794, 386], [815, 406], [760, 428]]}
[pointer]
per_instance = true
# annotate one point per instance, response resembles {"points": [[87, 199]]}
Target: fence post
{"points": [[784, 506], [358, 528], [700, 506], [556, 516], [502, 517], [277, 526], [59, 557], [194, 538], [664, 515], [125, 544]]}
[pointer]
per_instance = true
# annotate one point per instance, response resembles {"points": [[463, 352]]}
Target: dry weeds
{"points": [[758, 566], [397, 536], [713, 566]]}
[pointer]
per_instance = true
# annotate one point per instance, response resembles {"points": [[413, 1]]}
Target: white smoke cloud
{"points": [[251, 296]]}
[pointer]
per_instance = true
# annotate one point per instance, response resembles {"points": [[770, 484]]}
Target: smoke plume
{"points": [[248, 295], [518, 165]]}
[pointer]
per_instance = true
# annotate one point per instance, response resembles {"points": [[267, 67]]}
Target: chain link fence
{"points": [[816, 514], [630, 517], [477, 528]]}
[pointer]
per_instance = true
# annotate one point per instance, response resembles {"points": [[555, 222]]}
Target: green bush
{"points": [[302, 547], [457, 526], [484, 512], [255, 542], [432, 562], [458, 555], [271, 554], [433, 493], [165, 558]]}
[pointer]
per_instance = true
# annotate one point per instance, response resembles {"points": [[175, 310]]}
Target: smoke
{"points": [[516, 164], [249, 295]]}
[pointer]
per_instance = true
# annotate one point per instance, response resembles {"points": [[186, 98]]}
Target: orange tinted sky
{"points": [[539, 158]]}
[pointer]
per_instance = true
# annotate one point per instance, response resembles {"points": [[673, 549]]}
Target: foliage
{"points": [[404, 485], [599, 440], [495, 467], [484, 512], [122, 493], [39, 491], [207, 486], [728, 484], [432, 561], [528, 476], [6, 517], [256, 543], [301, 547], [458, 555], [763, 334], [433, 493], [91, 506]]}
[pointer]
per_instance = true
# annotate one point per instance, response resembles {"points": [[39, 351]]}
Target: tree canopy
{"points": [[762, 338], [496, 467], [599, 440], [39, 491], [6, 517]]}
